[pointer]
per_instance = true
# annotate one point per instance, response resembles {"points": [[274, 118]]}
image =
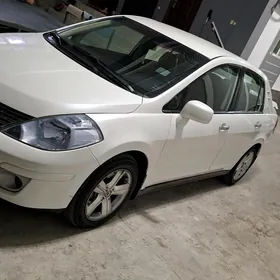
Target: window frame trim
{"points": [[237, 93], [241, 73], [234, 93]]}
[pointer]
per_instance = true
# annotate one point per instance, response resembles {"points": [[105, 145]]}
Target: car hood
{"points": [[39, 80]]}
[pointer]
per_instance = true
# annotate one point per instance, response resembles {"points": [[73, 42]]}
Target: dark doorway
{"points": [[107, 7], [139, 7], [181, 13]]}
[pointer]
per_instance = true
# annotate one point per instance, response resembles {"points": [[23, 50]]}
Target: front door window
{"points": [[216, 89]]}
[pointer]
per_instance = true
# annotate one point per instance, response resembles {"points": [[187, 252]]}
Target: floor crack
{"points": [[173, 270]]}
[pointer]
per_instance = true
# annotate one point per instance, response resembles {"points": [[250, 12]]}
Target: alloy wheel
{"points": [[109, 193], [244, 165]]}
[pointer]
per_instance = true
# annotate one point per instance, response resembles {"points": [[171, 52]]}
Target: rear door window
{"points": [[251, 94]]}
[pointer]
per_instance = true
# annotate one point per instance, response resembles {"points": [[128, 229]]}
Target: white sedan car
{"points": [[92, 113]]}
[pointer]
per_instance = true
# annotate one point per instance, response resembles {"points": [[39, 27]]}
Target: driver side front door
{"points": [[192, 147]]}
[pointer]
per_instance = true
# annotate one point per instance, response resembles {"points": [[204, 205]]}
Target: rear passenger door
{"points": [[245, 120]]}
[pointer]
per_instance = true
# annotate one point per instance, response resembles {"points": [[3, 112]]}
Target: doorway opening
{"points": [[139, 8], [181, 13], [107, 7]]}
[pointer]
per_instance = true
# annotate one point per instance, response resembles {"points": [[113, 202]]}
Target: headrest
{"points": [[168, 60]]}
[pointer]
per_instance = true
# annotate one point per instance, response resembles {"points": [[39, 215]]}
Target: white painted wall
{"points": [[264, 42], [276, 85], [266, 39]]}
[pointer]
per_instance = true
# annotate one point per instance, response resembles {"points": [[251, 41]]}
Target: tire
{"points": [[98, 193], [231, 178]]}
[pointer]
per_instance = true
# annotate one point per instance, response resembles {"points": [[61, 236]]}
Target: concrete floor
{"points": [[32, 17], [28, 16], [199, 231]]}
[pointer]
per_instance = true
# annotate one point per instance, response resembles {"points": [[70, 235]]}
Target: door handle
{"points": [[224, 127], [258, 125]]}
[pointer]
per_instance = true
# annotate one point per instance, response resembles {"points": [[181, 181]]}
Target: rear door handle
{"points": [[258, 125], [224, 127]]}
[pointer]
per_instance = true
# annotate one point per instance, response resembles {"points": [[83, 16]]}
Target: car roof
{"points": [[196, 43]]}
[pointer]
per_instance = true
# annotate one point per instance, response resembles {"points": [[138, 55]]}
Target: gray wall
{"points": [[120, 6], [250, 17], [271, 64], [161, 10], [235, 20]]}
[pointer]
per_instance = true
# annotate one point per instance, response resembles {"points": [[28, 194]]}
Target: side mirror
{"points": [[197, 111]]}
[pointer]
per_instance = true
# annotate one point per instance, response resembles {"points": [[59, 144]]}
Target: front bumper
{"points": [[54, 176]]}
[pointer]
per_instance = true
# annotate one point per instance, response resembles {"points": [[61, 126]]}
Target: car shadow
{"points": [[158, 197], [22, 226]]}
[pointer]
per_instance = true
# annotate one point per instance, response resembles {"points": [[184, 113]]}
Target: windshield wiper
{"points": [[113, 74], [103, 66]]}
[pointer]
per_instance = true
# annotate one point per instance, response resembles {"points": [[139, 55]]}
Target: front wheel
{"points": [[241, 168], [103, 193]]}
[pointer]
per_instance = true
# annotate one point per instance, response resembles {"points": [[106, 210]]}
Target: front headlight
{"points": [[59, 133]]}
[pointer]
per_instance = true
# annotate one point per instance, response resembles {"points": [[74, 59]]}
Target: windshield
{"points": [[147, 61]]}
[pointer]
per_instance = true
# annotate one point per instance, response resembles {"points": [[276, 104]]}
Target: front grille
{"points": [[10, 116]]}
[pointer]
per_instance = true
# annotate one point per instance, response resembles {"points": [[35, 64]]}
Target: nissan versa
{"points": [[94, 112]]}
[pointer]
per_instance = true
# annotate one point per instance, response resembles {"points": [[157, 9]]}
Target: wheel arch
{"points": [[140, 154], [258, 147], [258, 144], [142, 162], [145, 154]]}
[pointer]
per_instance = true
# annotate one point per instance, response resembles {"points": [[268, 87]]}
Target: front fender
{"points": [[143, 132], [103, 155]]}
